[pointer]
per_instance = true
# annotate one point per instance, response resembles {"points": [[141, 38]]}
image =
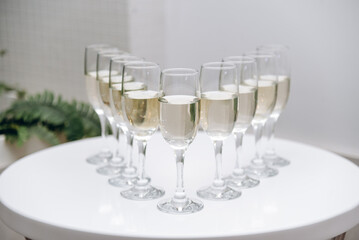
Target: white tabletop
{"points": [[54, 194]]}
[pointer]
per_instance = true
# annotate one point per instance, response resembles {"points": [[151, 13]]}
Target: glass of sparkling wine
{"points": [[179, 122], [218, 116], [116, 163], [129, 174], [283, 70], [247, 102], [93, 95], [140, 110], [266, 99]]}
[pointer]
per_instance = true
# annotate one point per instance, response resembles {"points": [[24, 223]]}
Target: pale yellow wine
{"points": [[93, 91], [179, 119], [282, 94], [218, 113], [116, 104], [104, 89], [142, 112], [266, 98], [247, 102]]}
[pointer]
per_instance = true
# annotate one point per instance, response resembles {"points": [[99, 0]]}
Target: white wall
{"points": [[45, 41], [146, 25], [324, 41]]}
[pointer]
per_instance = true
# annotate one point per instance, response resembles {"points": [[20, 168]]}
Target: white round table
{"points": [[54, 194]]}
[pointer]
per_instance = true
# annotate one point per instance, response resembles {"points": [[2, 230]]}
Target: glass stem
{"points": [[238, 138], [130, 170], [271, 124], [113, 129], [258, 132], [142, 180], [218, 181], [180, 194], [102, 118], [109, 140], [129, 147], [116, 135], [118, 159], [105, 149]]}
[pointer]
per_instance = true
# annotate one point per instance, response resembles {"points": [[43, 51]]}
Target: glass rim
{"points": [[179, 72], [218, 66], [107, 52], [141, 65], [125, 58], [260, 54], [239, 59], [274, 46], [110, 55], [98, 46]]}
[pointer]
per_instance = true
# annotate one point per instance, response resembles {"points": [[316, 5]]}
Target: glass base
{"points": [[100, 158], [115, 166], [177, 207], [262, 171], [274, 160], [109, 170], [143, 192], [241, 181], [127, 178], [218, 193]]}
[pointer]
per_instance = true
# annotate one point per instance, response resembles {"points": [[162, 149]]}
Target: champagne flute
{"points": [[283, 71], [116, 163], [140, 110], [266, 99], [179, 122], [129, 174], [92, 89], [247, 102], [218, 116]]}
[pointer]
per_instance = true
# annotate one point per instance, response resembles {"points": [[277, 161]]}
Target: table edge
{"points": [[30, 227]]}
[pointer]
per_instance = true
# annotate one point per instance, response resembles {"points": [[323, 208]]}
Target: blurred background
{"points": [[45, 43], [45, 40]]}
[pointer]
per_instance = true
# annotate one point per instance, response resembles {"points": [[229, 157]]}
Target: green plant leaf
{"points": [[45, 134], [37, 111], [46, 116], [89, 119], [74, 128], [23, 135], [2, 52]]}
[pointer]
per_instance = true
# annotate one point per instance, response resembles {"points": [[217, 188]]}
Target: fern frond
{"points": [[46, 116], [74, 129], [38, 110], [15, 134], [89, 119], [44, 134]]}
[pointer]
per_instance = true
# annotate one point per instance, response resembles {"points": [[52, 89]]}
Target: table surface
{"points": [[54, 194]]}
